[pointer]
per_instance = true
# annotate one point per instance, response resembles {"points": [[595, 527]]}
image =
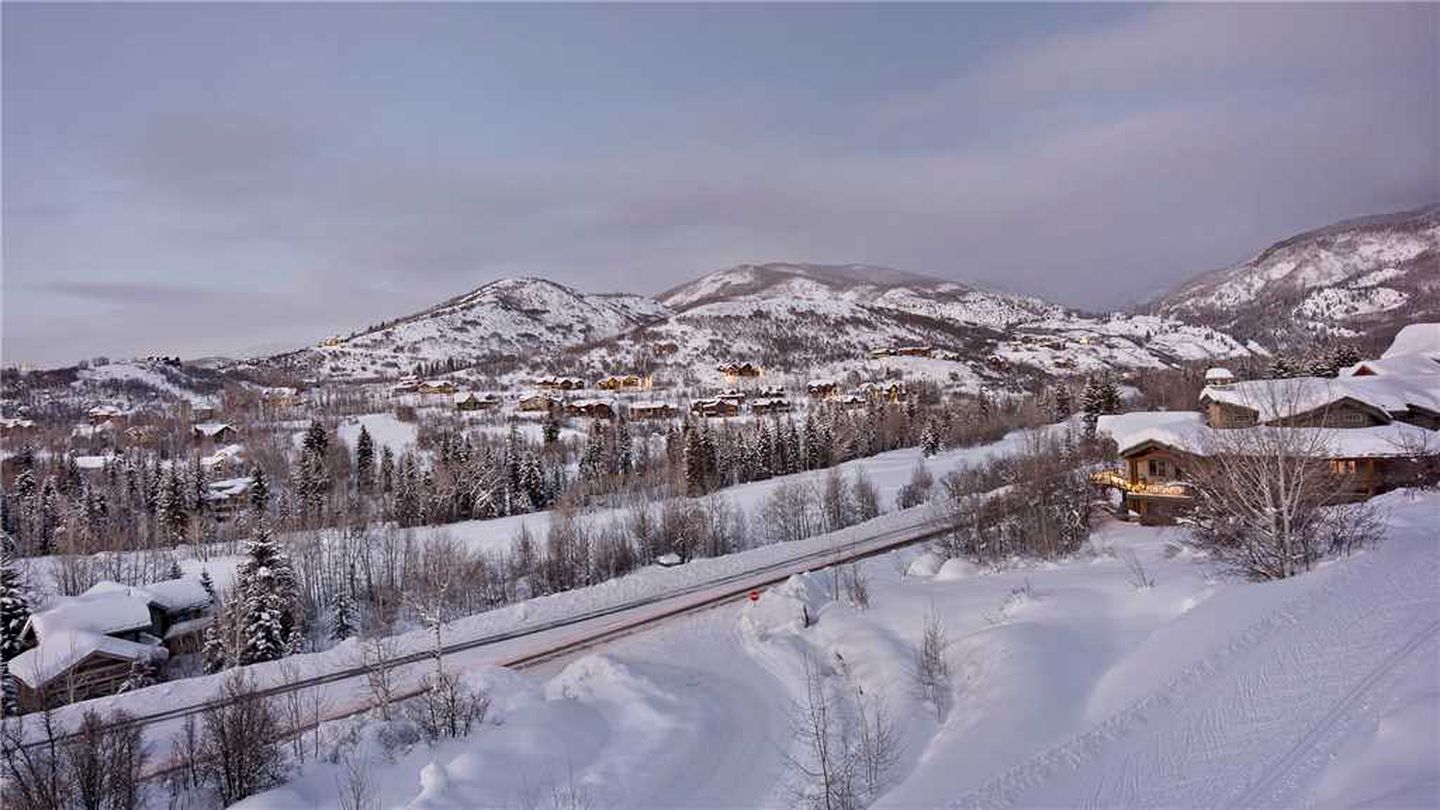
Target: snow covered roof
{"points": [[227, 488], [60, 651], [230, 452], [102, 609], [1396, 365], [1187, 431], [177, 594], [212, 429], [13, 422], [1219, 375], [1277, 399], [649, 404], [1415, 338]]}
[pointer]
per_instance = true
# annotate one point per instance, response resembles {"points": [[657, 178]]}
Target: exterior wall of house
{"points": [[1339, 415], [95, 676], [1222, 415]]}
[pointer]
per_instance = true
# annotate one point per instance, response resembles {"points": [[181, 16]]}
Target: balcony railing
{"points": [[1118, 479]]}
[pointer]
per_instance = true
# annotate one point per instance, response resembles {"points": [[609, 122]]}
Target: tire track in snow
{"points": [[1266, 791], [1299, 637]]}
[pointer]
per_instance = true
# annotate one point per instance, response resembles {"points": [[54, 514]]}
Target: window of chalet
{"points": [[1158, 468], [1343, 466], [1351, 418]]}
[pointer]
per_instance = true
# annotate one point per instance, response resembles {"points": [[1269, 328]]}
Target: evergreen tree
{"points": [[208, 584], [170, 506], [364, 460], [14, 607], [929, 440], [213, 654], [259, 491], [696, 470], [342, 625], [624, 448], [316, 441], [551, 432], [1101, 396], [49, 516], [592, 460], [387, 470], [1062, 403], [9, 692], [268, 600]]}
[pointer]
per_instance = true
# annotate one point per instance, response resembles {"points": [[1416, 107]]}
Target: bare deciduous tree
{"points": [[240, 742], [932, 665]]}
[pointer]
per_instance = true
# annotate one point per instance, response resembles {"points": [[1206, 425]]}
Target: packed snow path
{"points": [[1252, 721]]}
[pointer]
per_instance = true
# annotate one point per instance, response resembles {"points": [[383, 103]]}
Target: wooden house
{"points": [[652, 410], [624, 382], [737, 371], [770, 405], [210, 434], [822, 389], [714, 408], [471, 401], [538, 403], [590, 408], [438, 387], [560, 384]]}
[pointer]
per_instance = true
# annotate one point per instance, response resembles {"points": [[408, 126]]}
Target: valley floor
{"points": [[1072, 686]]}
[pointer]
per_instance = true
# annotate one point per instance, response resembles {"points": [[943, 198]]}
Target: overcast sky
{"points": [[195, 179]]}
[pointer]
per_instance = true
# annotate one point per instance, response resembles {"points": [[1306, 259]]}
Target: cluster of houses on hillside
{"points": [[111, 635], [1373, 423]]}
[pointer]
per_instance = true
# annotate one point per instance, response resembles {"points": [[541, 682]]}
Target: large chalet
{"points": [[1371, 422]]}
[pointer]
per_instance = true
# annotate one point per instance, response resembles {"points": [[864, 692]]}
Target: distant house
{"points": [[1219, 377], [213, 433], [11, 426], [471, 401], [769, 405], [732, 395], [590, 408], [224, 459], [713, 407], [621, 382], [822, 389], [560, 383], [914, 351], [734, 371], [642, 409], [851, 401], [89, 645], [227, 497], [407, 385], [106, 415], [437, 387], [279, 396], [538, 403], [891, 391]]}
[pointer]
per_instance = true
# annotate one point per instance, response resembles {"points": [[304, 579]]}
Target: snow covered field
{"points": [[1072, 684]]}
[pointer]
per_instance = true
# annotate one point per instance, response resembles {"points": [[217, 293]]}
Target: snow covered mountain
{"points": [[505, 318], [1358, 277], [828, 319], [796, 318]]}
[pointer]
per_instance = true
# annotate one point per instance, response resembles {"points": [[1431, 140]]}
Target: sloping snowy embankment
{"points": [[1072, 684]]}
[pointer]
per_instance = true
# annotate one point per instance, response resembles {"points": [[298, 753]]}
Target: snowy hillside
{"points": [[1353, 278], [1071, 679], [508, 317], [801, 319], [826, 319]]}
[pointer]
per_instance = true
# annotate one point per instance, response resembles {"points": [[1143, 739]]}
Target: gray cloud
{"points": [[1093, 166]]}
